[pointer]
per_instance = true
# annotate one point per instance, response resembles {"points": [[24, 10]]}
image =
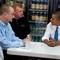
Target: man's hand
{"points": [[57, 43], [51, 43], [27, 41]]}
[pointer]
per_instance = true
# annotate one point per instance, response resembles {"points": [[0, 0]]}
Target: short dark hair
{"points": [[57, 14], [4, 8]]}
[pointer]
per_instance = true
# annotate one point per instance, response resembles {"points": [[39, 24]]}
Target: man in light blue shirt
{"points": [[7, 36]]}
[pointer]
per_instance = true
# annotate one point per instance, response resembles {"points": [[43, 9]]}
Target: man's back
{"points": [[1, 54], [7, 37], [21, 27]]}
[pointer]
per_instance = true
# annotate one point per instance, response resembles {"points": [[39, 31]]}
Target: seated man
{"points": [[7, 36], [20, 24], [52, 33]]}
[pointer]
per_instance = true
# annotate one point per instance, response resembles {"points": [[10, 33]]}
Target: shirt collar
{"points": [[59, 26], [55, 25], [3, 23]]}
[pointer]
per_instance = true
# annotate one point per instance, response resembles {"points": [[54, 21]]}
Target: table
{"points": [[36, 49]]}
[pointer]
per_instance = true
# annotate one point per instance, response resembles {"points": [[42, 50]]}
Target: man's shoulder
{"points": [[49, 24]]}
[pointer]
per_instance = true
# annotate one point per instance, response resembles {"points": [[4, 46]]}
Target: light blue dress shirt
{"points": [[7, 37]]}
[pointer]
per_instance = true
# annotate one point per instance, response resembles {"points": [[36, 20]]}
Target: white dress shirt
{"points": [[50, 31], [1, 54]]}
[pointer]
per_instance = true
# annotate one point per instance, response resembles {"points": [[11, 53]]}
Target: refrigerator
{"points": [[54, 5], [38, 14]]}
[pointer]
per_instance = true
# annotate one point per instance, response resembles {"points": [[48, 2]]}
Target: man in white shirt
{"points": [[48, 37], [1, 54]]}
